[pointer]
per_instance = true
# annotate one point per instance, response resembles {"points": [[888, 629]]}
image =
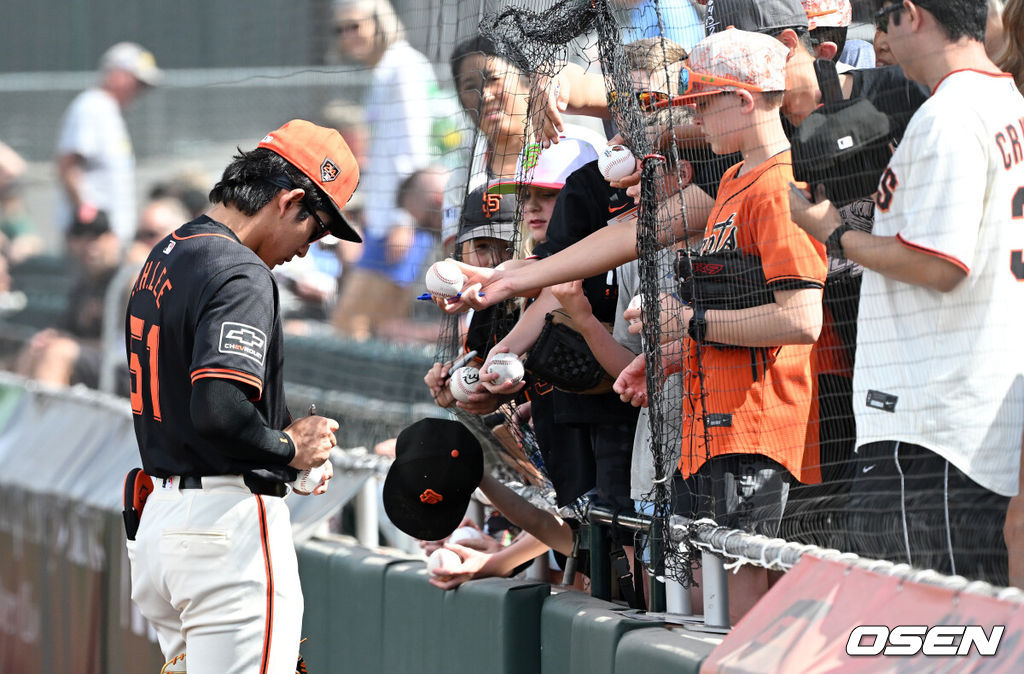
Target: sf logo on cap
{"points": [[492, 202], [430, 496], [328, 171]]}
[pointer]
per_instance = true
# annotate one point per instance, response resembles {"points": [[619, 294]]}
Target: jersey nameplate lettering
{"points": [[243, 340]]}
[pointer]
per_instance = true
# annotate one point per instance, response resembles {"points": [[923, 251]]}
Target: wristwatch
{"points": [[833, 245], [698, 327]]}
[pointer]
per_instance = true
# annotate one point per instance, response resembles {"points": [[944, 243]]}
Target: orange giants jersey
{"points": [[757, 400]]}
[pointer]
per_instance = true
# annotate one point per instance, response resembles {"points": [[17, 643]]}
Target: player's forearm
{"points": [[794, 318], [893, 259], [221, 413], [605, 249]]}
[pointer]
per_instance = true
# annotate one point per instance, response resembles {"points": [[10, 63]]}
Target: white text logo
{"points": [[914, 639]]}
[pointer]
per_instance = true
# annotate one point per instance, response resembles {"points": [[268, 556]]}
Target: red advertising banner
{"points": [[822, 611]]}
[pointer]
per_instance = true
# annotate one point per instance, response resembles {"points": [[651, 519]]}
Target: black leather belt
{"points": [[255, 485]]}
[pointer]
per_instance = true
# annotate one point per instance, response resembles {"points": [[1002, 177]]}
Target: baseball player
{"points": [[213, 565], [939, 374]]}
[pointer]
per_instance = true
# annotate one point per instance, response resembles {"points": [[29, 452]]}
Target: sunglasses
{"points": [[647, 100], [321, 229], [689, 79], [882, 17]]}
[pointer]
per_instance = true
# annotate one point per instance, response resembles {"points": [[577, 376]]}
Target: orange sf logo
{"points": [[492, 202], [430, 496]]}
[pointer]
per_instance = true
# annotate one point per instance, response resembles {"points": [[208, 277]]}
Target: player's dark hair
{"points": [[836, 34], [246, 184], [958, 18]]}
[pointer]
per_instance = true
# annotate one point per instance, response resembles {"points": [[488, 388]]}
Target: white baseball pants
{"points": [[214, 570]]}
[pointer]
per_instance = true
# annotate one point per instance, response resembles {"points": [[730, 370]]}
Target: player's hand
{"points": [[819, 219], [549, 98], [328, 474], [472, 562], [313, 437], [631, 384], [570, 296]]}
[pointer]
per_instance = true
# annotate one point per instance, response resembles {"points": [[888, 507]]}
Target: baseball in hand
{"points": [[464, 381], [309, 479], [636, 303], [444, 280], [508, 367], [616, 162], [443, 558], [464, 534]]}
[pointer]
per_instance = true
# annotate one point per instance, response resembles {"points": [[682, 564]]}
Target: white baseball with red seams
{"points": [[508, 367], [444, 280], [616, 162], [464, 381], [309, 479], [443, 558], [466, 533]]}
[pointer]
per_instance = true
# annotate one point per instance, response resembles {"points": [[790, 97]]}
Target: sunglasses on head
{"points": [[882, 17], [321, 229], [647, 100]]}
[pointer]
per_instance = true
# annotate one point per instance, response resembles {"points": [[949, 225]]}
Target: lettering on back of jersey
{"points": [[243, 340]]}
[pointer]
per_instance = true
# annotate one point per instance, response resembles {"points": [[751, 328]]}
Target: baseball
{"points": [[309, 479], [636, 303], [464, 381], [508, 367], [616, 162], [443, 558], [464, 534], [444, 280]]}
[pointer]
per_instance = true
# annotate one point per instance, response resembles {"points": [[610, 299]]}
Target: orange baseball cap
{"points": [[324, 157]]}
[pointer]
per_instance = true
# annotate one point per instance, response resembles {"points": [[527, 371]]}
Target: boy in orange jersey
{"points": [[750, 412]]}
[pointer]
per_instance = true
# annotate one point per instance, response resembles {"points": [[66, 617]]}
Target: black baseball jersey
{"points": [[586, 204], [204, 305]]}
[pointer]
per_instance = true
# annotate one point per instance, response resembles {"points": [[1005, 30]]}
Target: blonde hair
{"points": [[1011, 57], [388, 27], [653, 54]]}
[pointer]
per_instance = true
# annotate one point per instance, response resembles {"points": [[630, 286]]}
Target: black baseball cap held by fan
{"points": [[438, 465]]}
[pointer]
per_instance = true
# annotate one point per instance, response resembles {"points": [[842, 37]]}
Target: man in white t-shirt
{"points": [[939, 372], [95, 161]]}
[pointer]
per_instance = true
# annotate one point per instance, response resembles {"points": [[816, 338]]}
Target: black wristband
{"points": [[698, 327], [833, 244]]}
